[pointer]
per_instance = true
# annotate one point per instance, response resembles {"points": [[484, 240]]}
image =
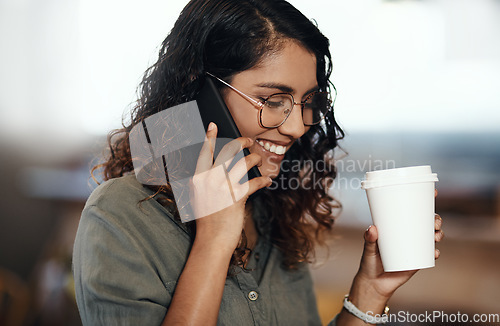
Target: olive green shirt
{"points": [[128, 257]]}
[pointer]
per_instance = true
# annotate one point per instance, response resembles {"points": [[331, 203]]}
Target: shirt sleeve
{"points": [[114, 281]]}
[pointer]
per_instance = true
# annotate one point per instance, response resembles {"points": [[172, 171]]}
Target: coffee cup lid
{"points": [[390, 177]]}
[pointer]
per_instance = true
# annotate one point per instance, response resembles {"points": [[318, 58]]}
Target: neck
{"points": [[249, 228]]}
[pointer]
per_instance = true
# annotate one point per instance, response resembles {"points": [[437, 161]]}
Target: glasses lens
{"points": [[276, 109], [315, 108]]}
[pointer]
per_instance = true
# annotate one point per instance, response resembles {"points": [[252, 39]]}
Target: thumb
{"points": [[371, 236]]}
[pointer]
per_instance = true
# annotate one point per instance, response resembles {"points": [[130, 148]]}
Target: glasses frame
{"points": [[260, 103]]}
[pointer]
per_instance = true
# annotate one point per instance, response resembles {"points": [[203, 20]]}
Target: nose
{"points": [[294, 124]]}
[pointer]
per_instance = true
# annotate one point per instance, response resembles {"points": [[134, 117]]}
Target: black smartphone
{"points": [[213, 109]]}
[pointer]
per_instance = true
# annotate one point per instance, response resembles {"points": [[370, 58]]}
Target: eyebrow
{"points": [[284, 88]]}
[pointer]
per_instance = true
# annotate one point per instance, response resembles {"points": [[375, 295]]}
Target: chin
{"points": [[270, 171]]}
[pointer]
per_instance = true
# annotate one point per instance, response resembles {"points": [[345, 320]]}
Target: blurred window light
{"points": [[71, 68]]}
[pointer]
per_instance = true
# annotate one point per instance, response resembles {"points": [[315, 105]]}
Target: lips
{"points": [[272, 146]]}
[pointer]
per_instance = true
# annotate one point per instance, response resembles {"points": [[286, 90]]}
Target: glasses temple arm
{"points": [[237, 91]]}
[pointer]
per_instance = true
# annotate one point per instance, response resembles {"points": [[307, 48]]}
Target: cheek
{"points": [[244, 115], [307, 129]]}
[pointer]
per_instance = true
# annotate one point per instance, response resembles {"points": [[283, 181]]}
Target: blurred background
{"points": [[417, 84]]}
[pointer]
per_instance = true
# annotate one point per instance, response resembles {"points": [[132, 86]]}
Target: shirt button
{"points": [[252, 295], [257, 256]]}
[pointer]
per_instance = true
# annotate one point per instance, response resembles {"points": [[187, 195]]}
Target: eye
{"points": [[274, 104], [278, 102]]}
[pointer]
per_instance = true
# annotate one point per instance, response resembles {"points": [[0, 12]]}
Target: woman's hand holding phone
{"points": [[218, 201], [217, 197]]}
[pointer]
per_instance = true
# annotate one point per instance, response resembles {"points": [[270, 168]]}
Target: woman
{"points": [[136, 263]]}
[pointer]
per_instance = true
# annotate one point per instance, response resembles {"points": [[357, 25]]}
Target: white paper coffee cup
{"points": [[402, 207]]}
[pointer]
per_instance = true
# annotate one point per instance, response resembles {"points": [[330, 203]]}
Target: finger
{"points": [[243, 165], [435, 192], [371, 236], [239, 171], [438, 222], [258, 183], [232, 148], [437, 253], [206, 157], [438, 235]]}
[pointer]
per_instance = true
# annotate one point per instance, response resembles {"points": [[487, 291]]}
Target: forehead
{"points": [[293, 65]]}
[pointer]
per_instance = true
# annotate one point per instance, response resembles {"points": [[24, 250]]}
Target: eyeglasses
{"points": [[275, 109]]}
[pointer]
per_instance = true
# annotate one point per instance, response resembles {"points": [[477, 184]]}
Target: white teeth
{"points": [[273, 148], [280, 150]]}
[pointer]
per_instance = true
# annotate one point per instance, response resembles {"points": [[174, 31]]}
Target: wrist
{"points": [[213, 245], [365, 296], [367, 317]]}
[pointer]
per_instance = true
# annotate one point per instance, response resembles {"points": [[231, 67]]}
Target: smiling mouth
{"points": [[271, 147]]}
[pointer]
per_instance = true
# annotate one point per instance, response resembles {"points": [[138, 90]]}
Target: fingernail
{"points": [[368, 228], [211, 126]]}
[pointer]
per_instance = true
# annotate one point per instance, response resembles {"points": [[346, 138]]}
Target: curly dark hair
{"points": [[226, 37]]}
